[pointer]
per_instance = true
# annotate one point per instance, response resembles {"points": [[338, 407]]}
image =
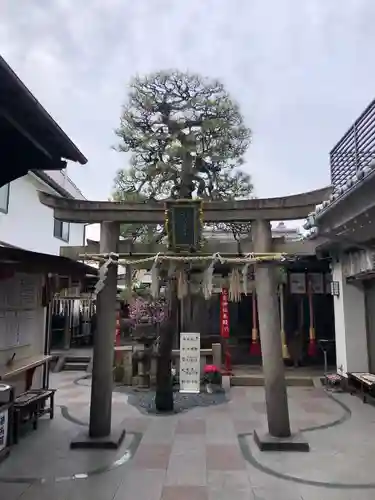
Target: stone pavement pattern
{"points": [[203, 454]]}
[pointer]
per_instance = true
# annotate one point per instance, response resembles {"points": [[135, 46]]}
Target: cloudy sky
{"points": [[301, 70]]}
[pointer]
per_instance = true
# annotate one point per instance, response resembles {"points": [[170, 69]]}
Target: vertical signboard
{"points": [[316, 281], [224, 314], [3, 429], [225, 328], [190, 362]]}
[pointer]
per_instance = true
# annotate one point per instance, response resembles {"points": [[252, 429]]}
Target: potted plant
{"points": [[212, 378]]}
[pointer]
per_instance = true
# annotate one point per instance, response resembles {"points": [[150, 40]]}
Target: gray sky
{"points": [[301, 70]]}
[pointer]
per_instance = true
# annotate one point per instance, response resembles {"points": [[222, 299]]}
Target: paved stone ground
{"points": [[206, 453]]}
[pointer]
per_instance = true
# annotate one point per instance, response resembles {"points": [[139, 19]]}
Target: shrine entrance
{"points": [[264, 259], [305, 310], [72, 322]]}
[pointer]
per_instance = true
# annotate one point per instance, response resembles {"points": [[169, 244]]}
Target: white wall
{"points": [[29, 224], [350, 325], [62, 179]]}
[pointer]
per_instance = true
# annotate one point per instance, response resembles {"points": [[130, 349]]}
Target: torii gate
{"points": [[257, 211]]}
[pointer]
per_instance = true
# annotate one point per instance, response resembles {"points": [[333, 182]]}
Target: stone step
{"points": [[258, 380], [75, 366], [78, 359]]}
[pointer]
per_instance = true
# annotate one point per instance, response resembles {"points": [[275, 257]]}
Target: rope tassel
{"points": [[182, 284], [208, 274], [103, 271], [235, 286]]}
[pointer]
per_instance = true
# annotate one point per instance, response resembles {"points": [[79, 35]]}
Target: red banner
{"points": [[224, 314]]}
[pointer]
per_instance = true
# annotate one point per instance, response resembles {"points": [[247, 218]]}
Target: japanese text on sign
{"points": [[224, 314], [190, 362], [3, 429]]}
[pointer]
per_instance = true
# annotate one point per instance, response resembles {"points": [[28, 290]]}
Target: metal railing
{"points": [[355, 150]]}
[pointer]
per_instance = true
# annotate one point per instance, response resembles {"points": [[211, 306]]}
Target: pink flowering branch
{"points": [[147, 311]]}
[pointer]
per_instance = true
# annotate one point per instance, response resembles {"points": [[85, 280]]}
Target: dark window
{"points": [[61, 230]]}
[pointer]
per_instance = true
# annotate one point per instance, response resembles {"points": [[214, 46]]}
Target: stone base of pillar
{"points": [[85, 442], [266, 442], [59, 364], [225, 383], [216, 355], [89, 366]]}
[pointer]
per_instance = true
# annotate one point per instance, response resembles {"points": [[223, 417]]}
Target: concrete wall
{"points": [[350, 324], [370, 317], [29, 224], [63, 180]]}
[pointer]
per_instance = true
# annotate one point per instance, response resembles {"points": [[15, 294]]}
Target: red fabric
{"points": [[312, 349], [118, 335], [228, 362], [118, 330], [210, 369], [6, 273], [255, 349]]}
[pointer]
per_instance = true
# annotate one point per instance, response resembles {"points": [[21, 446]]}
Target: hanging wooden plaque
{"points": [[183, 221], [297, 282]]}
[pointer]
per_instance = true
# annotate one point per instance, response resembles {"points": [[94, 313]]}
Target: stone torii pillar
{"points": [[100, 434], [279, 436]]}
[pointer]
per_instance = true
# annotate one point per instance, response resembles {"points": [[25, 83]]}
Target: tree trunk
{"points": [[164, 384], [186, 313], [186, 186], [200, 315]]}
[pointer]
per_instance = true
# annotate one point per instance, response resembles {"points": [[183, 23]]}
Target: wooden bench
{"points": [[31, 405], [362, 384], [25, 366]]}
